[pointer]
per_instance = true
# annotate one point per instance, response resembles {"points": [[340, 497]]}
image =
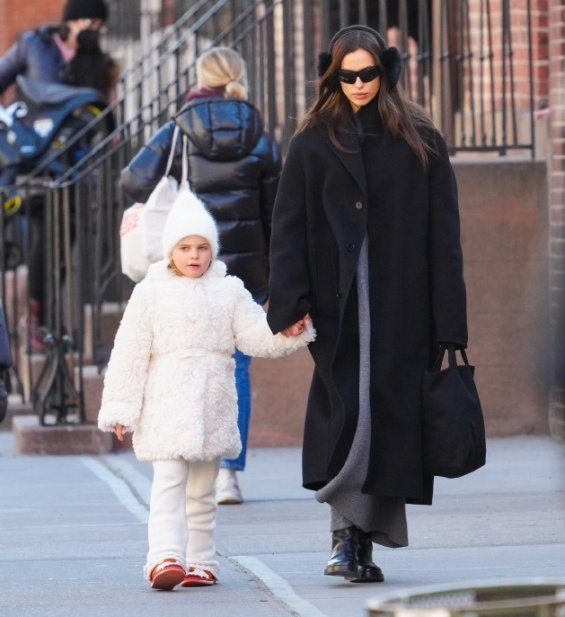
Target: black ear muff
{"points": [[324, 61], [392, 65]]}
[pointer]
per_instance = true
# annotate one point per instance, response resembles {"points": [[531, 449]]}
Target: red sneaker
{"points": [[167, 574], [198, 577]]}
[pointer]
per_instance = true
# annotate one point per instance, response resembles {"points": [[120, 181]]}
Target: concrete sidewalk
{"points": [[73, 536]]}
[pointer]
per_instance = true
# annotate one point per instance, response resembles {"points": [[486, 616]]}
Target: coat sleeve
{"points": [[252, 333], [289, 280], [147, 167], [445, 254], [12, 64], [126, 375], [269, 183]]}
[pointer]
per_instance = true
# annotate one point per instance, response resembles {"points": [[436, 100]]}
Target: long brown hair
{"points": [[400, 116]]}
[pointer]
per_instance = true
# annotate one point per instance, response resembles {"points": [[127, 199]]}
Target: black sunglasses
{"points": [[366, 75]]}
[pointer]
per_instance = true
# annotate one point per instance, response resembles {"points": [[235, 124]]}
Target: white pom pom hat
{"points": [[188, 217]]}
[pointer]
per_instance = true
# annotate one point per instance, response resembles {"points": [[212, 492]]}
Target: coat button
{"points": [[359, 205], [338, 295], [350, 247]]}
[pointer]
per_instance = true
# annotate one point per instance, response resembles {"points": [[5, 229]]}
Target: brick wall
{"points": [[517, 19], [557, 197], [17, 16], [540, 52]]}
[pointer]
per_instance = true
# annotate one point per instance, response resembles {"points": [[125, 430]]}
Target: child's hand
{"points": [[119, 432], [297, 328]]}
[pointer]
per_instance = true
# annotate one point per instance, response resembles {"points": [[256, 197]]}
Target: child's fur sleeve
{"points": [[124, 382], [252, 333]]}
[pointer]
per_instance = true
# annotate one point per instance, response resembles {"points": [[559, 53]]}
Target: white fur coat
{"points": [[170, 378]]}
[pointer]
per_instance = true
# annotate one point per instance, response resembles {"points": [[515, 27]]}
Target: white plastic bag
{"points": [[142, 224]]}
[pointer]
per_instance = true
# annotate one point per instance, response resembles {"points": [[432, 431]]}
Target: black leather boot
{"points": [[367, 570], [343, 559]]}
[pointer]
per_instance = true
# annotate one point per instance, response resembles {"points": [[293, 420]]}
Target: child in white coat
{"points": [[170, 381]]}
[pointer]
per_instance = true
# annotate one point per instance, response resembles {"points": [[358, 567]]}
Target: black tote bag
{"points": [[453, 425]]}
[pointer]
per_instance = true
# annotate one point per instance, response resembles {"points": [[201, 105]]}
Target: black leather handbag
{"points": [[453, 425]]}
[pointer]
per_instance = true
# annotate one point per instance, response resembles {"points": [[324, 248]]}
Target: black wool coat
{"points": [[417, 297]]}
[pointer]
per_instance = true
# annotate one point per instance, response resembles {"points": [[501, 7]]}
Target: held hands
{"points": [[119, 432], [298, 327]]}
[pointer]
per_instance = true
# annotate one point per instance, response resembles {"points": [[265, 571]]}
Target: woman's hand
{"points": [[119, 432], [297, 328]]}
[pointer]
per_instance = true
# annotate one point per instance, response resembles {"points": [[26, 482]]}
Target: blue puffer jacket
{"points": [[34, 55], [234, 167]]}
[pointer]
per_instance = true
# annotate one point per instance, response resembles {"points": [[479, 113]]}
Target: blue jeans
{"points": [[243, 387]]}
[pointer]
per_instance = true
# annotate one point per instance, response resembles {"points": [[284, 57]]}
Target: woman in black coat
{"points": [[365, 242], [234, 167]]}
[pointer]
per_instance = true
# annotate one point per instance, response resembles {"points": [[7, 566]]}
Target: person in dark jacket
{"points": [[365, 242], [67, 53], [43, 53], [234, 168]]}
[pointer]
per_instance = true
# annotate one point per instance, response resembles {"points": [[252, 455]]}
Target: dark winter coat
{"points": [[417, 295], [234, 168], [35, 56]]}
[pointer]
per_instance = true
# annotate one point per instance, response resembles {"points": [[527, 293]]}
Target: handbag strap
{"points": [[452, 360], [184, 177], [172, 151]]}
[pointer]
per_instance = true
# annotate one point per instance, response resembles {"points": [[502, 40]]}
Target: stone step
{"points": [[93, 382], [16, 407], [32, 438], [279, 392]]}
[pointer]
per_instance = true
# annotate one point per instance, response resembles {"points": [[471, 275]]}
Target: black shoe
{"points": [[343, 559], [367, 570]]}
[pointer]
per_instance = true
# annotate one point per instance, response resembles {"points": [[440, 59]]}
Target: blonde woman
{"points": [[234, 168]]}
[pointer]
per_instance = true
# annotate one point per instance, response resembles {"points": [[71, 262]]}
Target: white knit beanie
{"points": [[188, 217]]}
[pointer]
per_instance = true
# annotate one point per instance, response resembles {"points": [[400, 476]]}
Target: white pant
{"points": [[182, 514]]}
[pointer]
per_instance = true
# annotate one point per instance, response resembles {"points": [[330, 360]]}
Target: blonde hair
{"points": [[223, 66], [171, 266]]}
